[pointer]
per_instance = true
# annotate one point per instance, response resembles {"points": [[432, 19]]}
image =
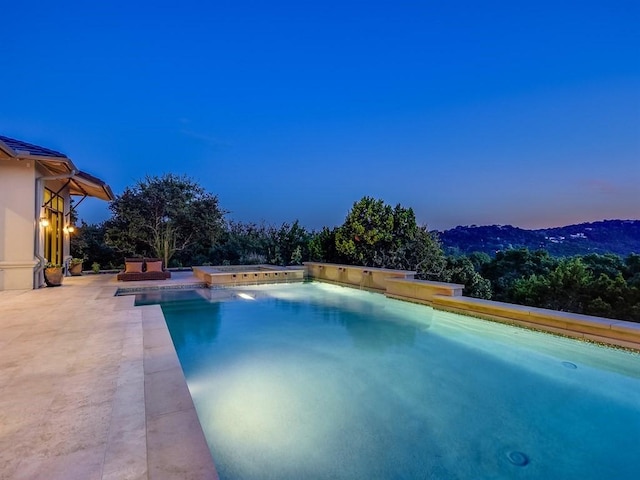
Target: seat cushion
{"points": [[154, 266], [132, 267]]}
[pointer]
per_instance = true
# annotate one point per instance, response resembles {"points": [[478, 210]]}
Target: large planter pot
{"points": [[75, 269], [53, 276]]}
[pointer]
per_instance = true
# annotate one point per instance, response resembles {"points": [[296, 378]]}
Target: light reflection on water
{"points": [[317, 381]]}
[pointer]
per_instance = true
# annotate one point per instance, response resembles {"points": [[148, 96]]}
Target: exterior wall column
{"points": [[17, 224]]}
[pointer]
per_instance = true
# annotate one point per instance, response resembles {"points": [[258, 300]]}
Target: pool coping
{"points": [[176, 447], [402, 285]]}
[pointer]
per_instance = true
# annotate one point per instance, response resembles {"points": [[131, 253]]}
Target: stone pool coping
{"points": [[584, 327], [402, 285]]}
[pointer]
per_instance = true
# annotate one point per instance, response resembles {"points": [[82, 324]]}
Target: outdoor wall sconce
{"points": [[69, 229], [44, 222]]}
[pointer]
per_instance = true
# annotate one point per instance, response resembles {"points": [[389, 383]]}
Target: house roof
{"points": [[57, 163], [24, 148]]}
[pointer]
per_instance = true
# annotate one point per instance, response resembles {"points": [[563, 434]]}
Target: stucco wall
{"points": [[17, 189]]}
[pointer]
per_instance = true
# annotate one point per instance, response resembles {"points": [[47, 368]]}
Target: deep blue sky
{"points": [[511, 112]]}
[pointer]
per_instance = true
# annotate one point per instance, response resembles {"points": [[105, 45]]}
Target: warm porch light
{"points": [[44, 222], [69, 229]]}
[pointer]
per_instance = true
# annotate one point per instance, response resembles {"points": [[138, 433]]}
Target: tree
{"points": [[566, 288], [479, 260], [608, 264], [461, 270], [425, 256], [632, 270], [160, 216], [87, 243], [241, 244], [322, 246], [376, 235], [366, 235], [249, 243], [512, 265], [287, 245]]}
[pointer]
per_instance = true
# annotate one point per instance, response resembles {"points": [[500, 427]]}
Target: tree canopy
{"points": [[375, 234], [160, 216]]}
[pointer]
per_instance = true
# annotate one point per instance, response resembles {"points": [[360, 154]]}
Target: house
{"points": [[36, 186]]}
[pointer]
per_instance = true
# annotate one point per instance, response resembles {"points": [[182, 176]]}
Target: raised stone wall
{"points": [[247, 275], [367, 278], [401, 285]]}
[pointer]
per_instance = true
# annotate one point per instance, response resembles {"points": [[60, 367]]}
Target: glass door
{"points": [[53, 234]]}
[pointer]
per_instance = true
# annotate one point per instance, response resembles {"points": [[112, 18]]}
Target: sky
{"points": [[495, 112]]}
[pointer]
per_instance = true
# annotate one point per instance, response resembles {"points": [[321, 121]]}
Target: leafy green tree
{"points": [[322, 246], [87, 243], [241, 244], [566, 288], [593, 284], [288, 245], [608, 264], [367, 233], [479, 260], [160, 216], [631, 270], [425, 256], [376, 235], [608, 297], [249, 243], [513, 265], [461, 270]]}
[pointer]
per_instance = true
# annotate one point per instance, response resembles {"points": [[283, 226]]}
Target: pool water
{"points": [[315, 381]]}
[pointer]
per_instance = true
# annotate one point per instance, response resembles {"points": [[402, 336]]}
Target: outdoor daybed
{"points": [[136, 269]]}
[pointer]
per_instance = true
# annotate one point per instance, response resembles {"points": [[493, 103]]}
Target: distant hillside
{"points": [[621, 237]]}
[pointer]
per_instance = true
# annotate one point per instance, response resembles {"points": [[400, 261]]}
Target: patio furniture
{"points": [[136, 269]]}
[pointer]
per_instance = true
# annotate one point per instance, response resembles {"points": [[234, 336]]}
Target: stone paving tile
{"points": [[159, 358], [126, 456], [72, 388], [175, 452], [157, 337], [165, 392], [85, 464]]}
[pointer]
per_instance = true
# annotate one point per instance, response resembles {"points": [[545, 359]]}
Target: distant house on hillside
{"points": [[36, 185]]}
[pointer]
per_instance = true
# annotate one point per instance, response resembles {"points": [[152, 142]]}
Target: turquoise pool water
{"points": [[315, 381]]}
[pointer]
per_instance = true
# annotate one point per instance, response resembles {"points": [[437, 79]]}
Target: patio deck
{"points": [[91, 387]]}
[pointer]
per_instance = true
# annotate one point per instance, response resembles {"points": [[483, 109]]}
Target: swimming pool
{"points": [[319, 381]]}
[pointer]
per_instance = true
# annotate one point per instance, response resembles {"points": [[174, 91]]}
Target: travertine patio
{"points": [[91, 388]]}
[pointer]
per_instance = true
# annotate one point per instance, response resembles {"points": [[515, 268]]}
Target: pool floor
{"points": [[320, 381]]}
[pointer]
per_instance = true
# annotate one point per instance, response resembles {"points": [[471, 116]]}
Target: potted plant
{"points": [[53, 275], [75, 267]]}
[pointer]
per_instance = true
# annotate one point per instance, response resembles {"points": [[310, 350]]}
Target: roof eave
{"points": [[7, 149], [86, 184]]}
